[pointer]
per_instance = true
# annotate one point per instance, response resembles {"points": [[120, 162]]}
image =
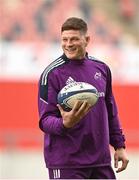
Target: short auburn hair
{"points": [[75, 23]]}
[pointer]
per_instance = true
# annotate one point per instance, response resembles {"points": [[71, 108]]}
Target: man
{"points": [[76, 144]]}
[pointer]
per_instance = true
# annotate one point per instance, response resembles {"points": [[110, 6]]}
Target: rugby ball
{"points": [[77, 91]]}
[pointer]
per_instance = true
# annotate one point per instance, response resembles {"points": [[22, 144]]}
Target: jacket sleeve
{"points": [[117, 139], [50, 120]]}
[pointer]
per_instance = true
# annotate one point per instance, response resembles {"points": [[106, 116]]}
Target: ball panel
{"points": [[77, 91], [77, 86], [90, 97]]}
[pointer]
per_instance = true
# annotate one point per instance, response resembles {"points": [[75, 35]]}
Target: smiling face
{"points": [[74, 43]]}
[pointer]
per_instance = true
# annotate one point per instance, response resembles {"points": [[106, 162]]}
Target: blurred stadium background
{"points": [[29, 41]]}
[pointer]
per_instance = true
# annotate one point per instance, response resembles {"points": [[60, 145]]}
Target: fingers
{"points": [[116, 162], [120, 155], [60, 108], [78, 111], [76, 106], [124, 163], [81, 108], [123, 167]]}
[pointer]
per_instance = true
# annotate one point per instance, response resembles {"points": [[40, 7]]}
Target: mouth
{"points": [[70, 50]]}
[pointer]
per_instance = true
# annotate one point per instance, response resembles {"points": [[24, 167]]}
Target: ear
{"points": [[87, 40]]}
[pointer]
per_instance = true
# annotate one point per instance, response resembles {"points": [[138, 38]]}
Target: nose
{"points": [[69, 43]]}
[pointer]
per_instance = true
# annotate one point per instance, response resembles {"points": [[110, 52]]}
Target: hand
{"points": [[120, 155], [79, 110]]}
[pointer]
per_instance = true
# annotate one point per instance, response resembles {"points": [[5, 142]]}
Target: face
{"points": [[74, 44]]}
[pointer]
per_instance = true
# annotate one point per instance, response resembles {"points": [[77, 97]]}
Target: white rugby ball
{"points": [[77, 91]]}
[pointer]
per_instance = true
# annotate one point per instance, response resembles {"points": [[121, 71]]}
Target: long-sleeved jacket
{"points": [[87, 143]]}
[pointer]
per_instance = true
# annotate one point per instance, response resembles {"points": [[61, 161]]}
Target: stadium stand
{"points": [[26, 20]]}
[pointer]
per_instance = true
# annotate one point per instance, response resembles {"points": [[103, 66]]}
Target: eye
{"points": [[75, 39], [64, 39]]}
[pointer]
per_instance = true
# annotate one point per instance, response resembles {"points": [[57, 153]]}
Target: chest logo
{"points": [[97, 76], [70, 80]]}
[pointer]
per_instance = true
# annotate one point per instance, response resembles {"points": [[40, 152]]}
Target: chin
{"points": [[70, 56]]}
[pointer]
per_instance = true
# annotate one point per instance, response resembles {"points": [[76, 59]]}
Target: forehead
{"points": [[70, 33]]}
